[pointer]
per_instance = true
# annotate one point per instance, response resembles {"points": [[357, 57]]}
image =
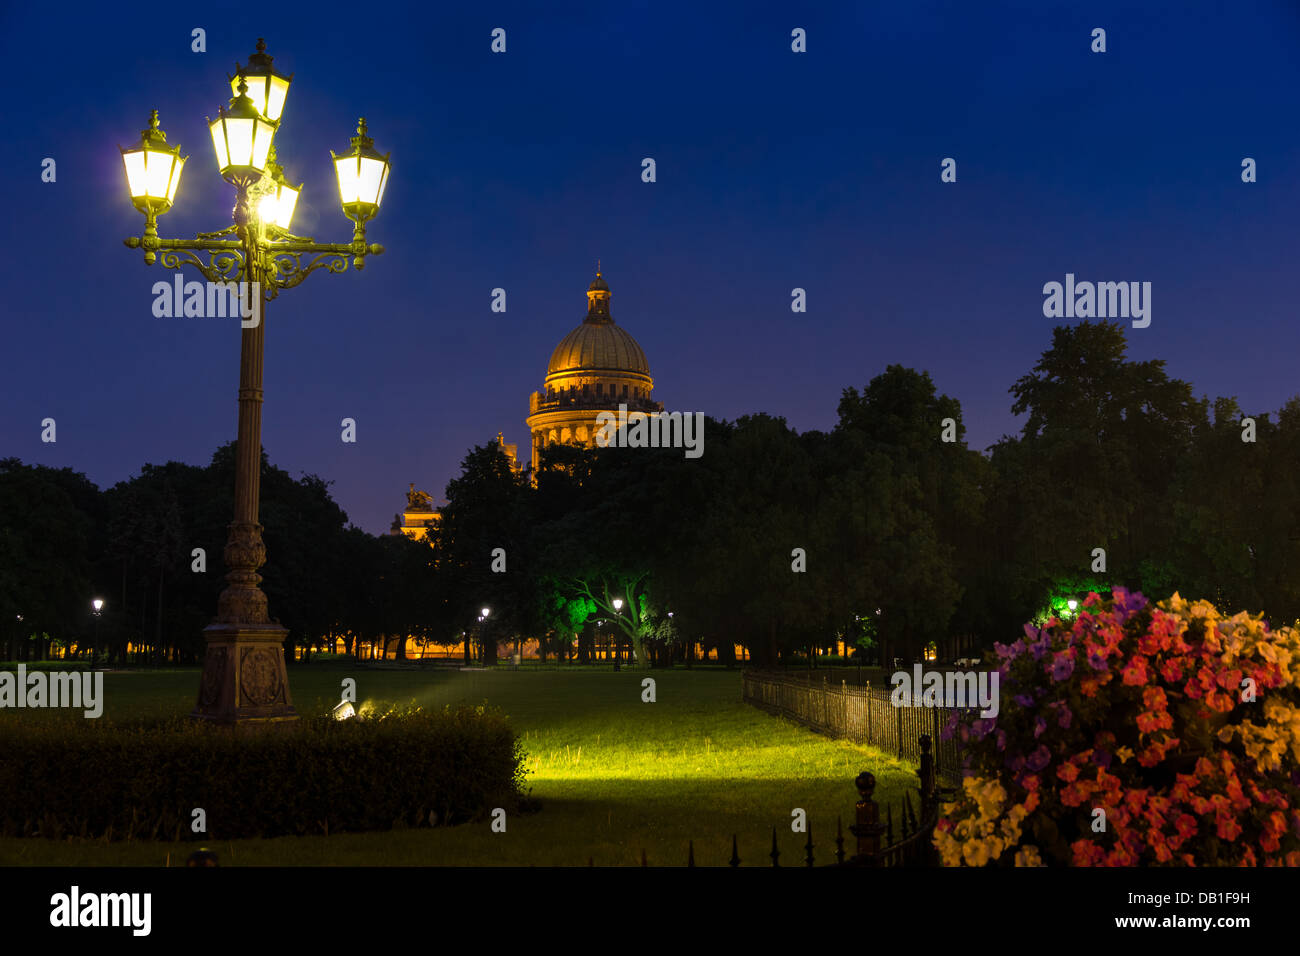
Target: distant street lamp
{"points": [[618, 631], [484, 613], [244, 678], [96, 610]]}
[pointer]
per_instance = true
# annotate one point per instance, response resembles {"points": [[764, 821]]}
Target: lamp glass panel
{"points": [[158, 172], [176, 179], [268, 94], [382, 184], [268, 208], [371, 176], [261, 144], [239, 140], [135, 177], [276, 94], [219, 143], [284, 207], [349, 181]]}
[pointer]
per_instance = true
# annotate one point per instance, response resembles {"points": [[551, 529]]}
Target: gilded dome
{"points": [[605, 347], [598, 344]]}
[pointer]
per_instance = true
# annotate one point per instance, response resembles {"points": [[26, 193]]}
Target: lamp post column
{"points": [[244, 678]]}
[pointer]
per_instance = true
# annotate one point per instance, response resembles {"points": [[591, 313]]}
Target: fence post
{"points": [[826, 717], [926, 774], [867, 829], [844, 707], [898, 746]]}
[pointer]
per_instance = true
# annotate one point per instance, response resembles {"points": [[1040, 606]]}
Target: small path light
{"points": [[344, 710]]}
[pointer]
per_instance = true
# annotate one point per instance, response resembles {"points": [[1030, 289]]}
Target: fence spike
{"points": [[809, 846], [889, 823], [735, 857], [839, 840], [775, 852]]}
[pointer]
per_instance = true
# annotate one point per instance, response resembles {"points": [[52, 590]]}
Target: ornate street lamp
{"points": [[276, 207], [266, 88], [362, 173], [97, 610], [244, 678], [153, 174]]}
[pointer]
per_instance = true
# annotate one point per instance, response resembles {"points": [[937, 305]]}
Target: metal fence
{"points": [[864, 715]]}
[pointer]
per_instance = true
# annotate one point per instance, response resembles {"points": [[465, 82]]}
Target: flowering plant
{"points": [[1134, 735]]}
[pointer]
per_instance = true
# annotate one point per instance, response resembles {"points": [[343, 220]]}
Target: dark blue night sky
{"points": [[775, 170]]}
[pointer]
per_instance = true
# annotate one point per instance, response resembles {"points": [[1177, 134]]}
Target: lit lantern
{"points": [[362, 174], [153, 170], [242, 140], [266, 88], [276, 207]]}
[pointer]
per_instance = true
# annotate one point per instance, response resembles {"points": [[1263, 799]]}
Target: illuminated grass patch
{"points": [[614, 775]]}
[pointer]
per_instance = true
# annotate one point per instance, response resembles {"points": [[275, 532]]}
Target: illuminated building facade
{"points": [[594, 369]]}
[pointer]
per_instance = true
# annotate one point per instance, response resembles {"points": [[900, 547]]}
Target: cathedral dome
{"points": [[598, 344], [598, 348]]}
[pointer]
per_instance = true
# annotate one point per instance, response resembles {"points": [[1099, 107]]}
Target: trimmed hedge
{"points": [[96, 779]]}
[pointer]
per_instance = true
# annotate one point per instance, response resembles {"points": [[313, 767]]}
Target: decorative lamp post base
{"points": [[244, 681]]}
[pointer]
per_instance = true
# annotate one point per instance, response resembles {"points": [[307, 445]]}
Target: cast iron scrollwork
{"points": [[287, 270], [223, 266]]}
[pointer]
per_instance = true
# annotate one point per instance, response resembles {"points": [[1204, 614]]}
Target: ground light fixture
{"points": [[244, 678], [344, 710]]}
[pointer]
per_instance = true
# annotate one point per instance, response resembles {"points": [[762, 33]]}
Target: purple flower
{"points": [[1001, 738], [1064, 716], [1024, 700], [1039, 759], [980, 728], [1128, 602], [1039, 726], [1062, 667], [949, 728], [1008, 651], [1097, 660]]}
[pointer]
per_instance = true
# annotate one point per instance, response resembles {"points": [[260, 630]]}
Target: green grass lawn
{"points": [[614, 775]]}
